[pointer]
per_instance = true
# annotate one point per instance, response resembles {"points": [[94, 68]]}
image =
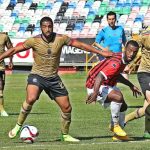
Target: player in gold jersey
{"points": [[144, 80], [5, 42], [47, 48]]}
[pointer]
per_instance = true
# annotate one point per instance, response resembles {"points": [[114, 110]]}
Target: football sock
{"points": [[65, 122], [1, 101], [147, 119], [138, 113], [115, 111], [122, 119], [25, 110]]}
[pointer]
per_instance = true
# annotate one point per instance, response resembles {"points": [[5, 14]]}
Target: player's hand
{"points": [[136, 91], [106, 53], [91, 98]]}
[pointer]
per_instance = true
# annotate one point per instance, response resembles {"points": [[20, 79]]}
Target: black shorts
{"points": [[2, 75], [53, 86], [144, 80]]}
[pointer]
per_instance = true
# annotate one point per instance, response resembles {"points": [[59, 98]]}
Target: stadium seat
{"points": [[12, 34], [21, 1], [1, 27], [72, 15], [68, 33], [75, 34], [27, 34], [84, 33]]}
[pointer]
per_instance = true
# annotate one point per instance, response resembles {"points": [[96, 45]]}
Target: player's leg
{"points": [[2, 83], [138, 113], [122, 114], [66, 108], [121, 123], [32, 94], [144, 80], [116, 99], [147, 116], [57, 91]]}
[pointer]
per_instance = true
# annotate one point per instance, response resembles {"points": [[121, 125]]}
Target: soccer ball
{"points": [[29, 134]]}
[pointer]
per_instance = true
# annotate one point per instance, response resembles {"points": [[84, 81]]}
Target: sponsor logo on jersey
{"points": [[49, 51], [114, 65], [34, 79]]}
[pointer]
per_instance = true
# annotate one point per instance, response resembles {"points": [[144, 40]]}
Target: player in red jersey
{"points": [[101, 86]]}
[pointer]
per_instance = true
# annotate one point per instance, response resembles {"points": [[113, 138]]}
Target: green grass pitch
{"points": [[89, 122]]}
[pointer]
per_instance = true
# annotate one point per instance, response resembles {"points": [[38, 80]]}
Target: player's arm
{"points": [[89, 48], [98, 81], [100, 47], [10, 45], [10, 52], [124, 40], [134, 89]]}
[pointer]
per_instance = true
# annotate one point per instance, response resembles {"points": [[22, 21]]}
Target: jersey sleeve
{"points": [[99, 36], [123, 36], [8, 42], [110, 69], [29, 43], [66, 39]]}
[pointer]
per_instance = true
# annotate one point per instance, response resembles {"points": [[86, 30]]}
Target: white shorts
{"points": [[103, 92]]}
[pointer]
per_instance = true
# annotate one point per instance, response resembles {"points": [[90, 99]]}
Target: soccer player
{"points": [[47, 48], [101, 86], [144, 80], [5, 42], [111, 38]]}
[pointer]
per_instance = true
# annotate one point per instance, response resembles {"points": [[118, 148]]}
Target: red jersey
{"points": [[110, 68]]}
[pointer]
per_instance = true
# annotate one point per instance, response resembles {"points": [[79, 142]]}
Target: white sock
{"points": [[122, 119], [115, 112]]}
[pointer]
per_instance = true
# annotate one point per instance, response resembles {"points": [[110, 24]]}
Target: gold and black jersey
{"points": [[4, 42], [46, 55], [144, 41]]}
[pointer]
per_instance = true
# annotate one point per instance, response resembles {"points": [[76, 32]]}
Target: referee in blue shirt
{"points": [[111, 37]]}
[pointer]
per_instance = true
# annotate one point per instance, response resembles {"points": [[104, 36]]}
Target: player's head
{"points": [[111, 19], [131, 50], [46, 25]]}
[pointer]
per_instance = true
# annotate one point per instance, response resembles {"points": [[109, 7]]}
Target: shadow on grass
{"points": [[134, 106], [13, 114], [93, 137]]}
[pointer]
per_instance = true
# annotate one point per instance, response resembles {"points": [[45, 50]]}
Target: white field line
{"points": [[72, 144]]}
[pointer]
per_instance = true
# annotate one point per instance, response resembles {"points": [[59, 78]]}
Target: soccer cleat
{"points": [[68, 138], [111, 127], [4, 114], [118, 130], [146, 135], [116, 138], [13, 133]]}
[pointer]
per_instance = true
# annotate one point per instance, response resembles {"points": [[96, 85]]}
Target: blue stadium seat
{"points": [[72, 5], [88, 4], [13, 2]]}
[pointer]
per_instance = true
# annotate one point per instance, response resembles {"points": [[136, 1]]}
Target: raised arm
{"points": [[10, 52], [89, 48]]}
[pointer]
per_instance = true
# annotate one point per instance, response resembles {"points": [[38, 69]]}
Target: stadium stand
{"points": [[71, 15]]}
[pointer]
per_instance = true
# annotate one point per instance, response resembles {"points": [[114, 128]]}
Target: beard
{"points": [[49, 36]]}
